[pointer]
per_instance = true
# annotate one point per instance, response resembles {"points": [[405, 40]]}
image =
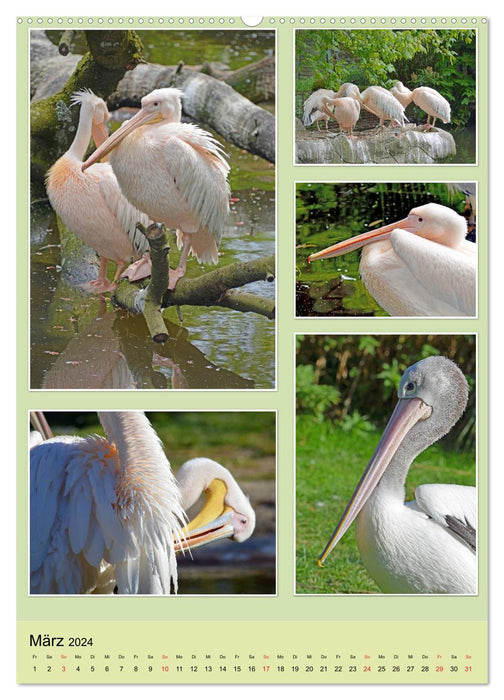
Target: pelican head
{"points": [[432, 397], [162, 105], [97, 108], [432, 221], [226, 513]]}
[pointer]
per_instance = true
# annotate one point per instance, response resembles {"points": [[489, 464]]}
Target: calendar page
{"points": [[252, 399]]}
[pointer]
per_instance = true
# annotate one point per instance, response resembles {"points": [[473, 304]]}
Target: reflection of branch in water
{"points": [[194, 370], [113, 352]]}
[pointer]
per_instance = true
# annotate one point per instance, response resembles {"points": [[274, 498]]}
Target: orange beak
{"points": [[379, 234]]}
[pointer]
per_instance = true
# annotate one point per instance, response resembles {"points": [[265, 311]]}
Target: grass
{"points": [[329, 465]]}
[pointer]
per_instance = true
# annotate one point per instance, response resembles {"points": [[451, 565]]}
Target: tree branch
{"points": [[215, 288]]}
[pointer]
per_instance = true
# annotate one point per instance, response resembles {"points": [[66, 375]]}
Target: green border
{"points": [[285, 607]]}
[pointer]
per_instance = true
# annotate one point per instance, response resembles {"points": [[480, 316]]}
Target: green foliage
{"points": [[356, 424], [353, 379], [313, 398], [391, 375], [442, 59]]}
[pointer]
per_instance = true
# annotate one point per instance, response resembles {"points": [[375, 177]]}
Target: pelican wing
{"points": [[200, 171], [452, 506], [91, 518], [447, 275], [74, 524], [433, 103], [126, 214], [67, 537], [313, 104]]}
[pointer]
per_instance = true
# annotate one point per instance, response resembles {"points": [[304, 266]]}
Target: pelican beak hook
{"points": [[212, 523]]}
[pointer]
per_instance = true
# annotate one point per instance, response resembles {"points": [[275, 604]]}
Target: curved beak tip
{"points": [[320, 563]]}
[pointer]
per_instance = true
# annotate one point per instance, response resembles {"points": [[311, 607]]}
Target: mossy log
{"points": [[53, 123], [219, 106], [215, 288]]}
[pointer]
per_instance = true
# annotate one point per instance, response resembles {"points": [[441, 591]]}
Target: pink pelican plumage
{"points": [[344, 110], [313, 108], [174, 172], [428, 99], [377, 100], [419, 266], [427, 545], [107, 512], [90, 203]]}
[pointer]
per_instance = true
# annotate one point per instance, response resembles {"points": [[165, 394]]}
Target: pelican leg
{"points": [[101, 283], [180, 271]]}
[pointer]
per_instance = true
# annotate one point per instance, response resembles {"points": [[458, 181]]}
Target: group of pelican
{"points": [[108, 515], [344, 105], [160, 170]]}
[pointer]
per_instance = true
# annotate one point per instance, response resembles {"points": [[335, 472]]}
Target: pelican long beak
{"points": [[406, 414], [379, 234], [141, 117], [39, 423], [99, 132], [213, 522]]}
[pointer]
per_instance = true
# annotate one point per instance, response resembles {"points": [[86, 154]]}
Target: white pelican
{"points": [[174, 172], [344, 110], [428, 99], [419, 266], [313, 108], [90, 203], [107, 512], [428, 545], [377, 100]]}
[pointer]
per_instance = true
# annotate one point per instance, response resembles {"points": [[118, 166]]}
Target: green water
{"points": [[234, 48]]}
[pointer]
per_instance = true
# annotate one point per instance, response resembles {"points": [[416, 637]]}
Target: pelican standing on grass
{"points": [[90, 203], [419, 266], [428, 545], [174, 172], [107, 512], [428, 99]]}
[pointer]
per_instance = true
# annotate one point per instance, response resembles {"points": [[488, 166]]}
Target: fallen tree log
{"points": [[255, 81], [215, 288], [205, 100]]}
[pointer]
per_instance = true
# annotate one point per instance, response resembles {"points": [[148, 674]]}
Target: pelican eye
{"points": [[420, 219], [410, 387]]}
